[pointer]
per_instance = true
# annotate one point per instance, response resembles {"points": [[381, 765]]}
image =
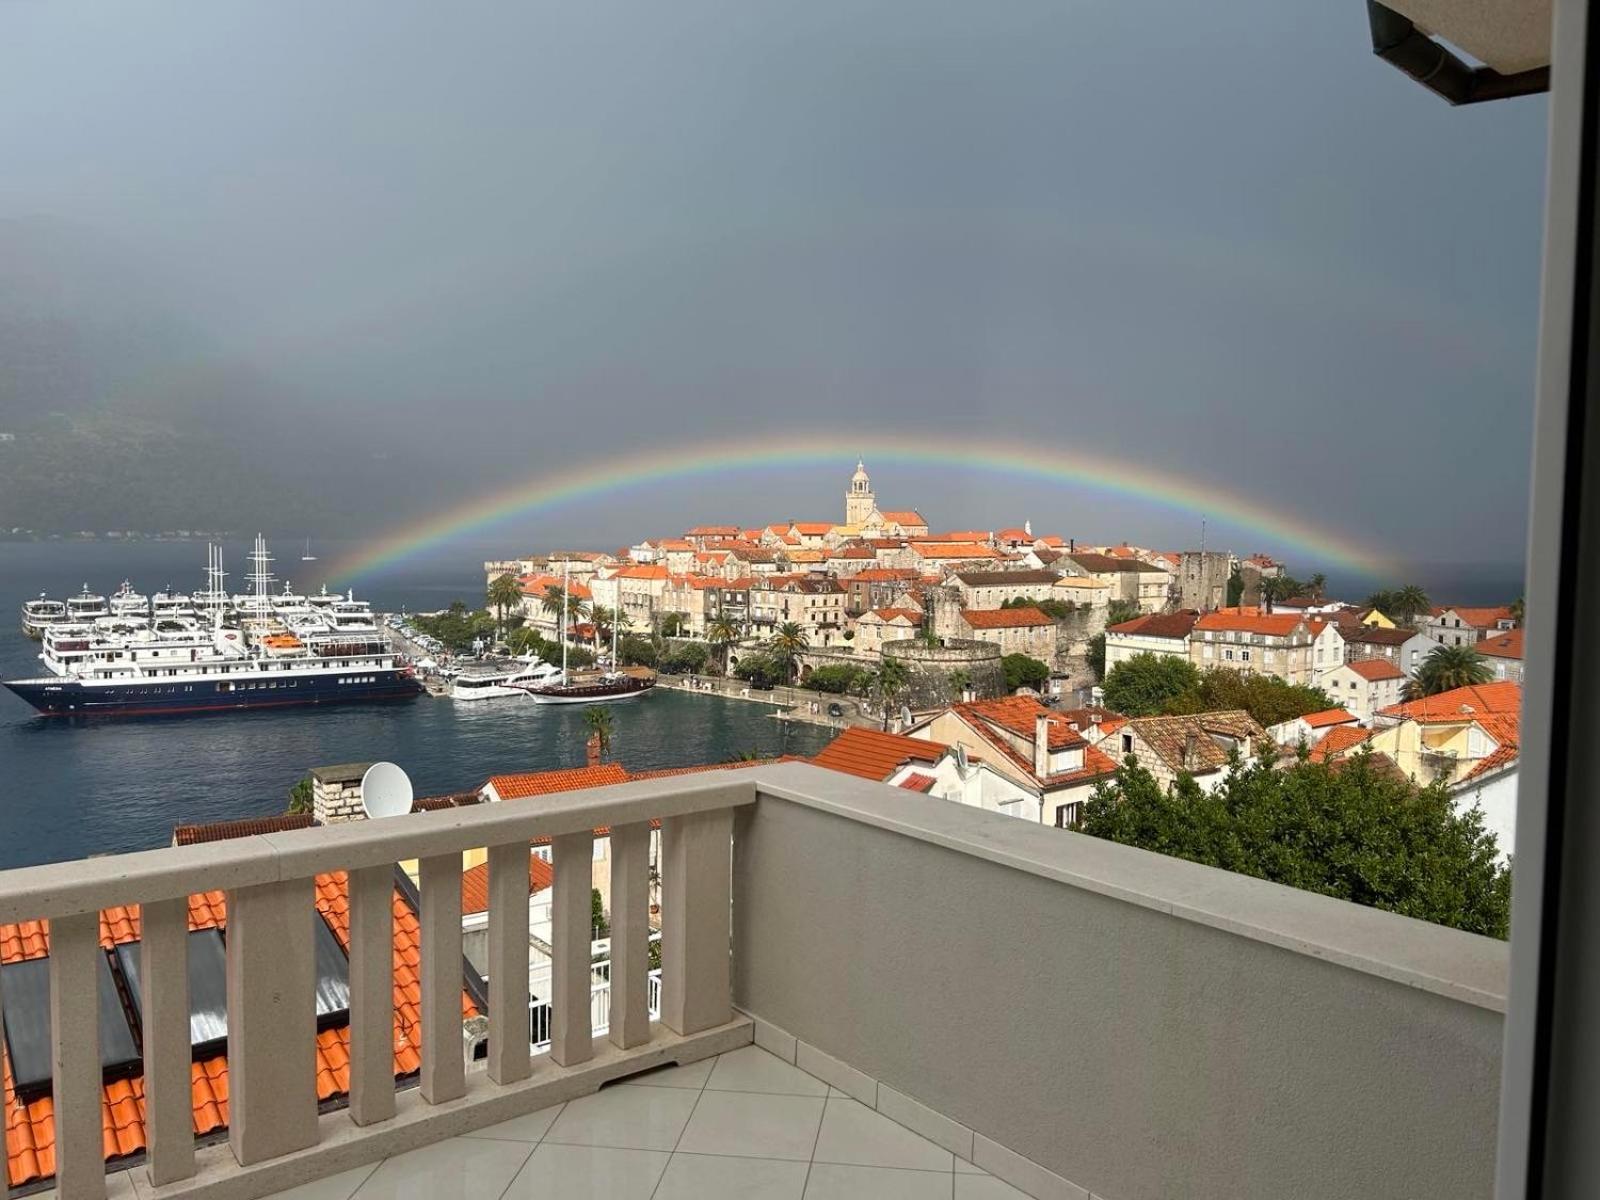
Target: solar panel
{"points": [[333, 978], [26, 986], [208, 996]]}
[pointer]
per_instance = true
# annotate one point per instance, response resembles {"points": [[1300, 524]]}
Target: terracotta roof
{"points": [[813, 528], [1005, 618], [918, 782], [191, 835], [954, 550], [1478, 618], [713, 531], [543, 783], [1338, 740], [1376, 670], [870, 754], [1185, 743], [1376, 635], [475, 883], [1503, 645], [1020, 714], [904, 516], [1499, 759], [1102, 563], [884, 574], [643, 571], [1250, 621], [1329, 716], [853, 553], [1005, 578], [1084, 718], [805, 556], [540, 585], [889, 614], [1463, 704], [30, 1127], [1163, 625]]}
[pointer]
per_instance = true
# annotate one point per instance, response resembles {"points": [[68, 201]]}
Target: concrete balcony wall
{"points": [[1141, 1026]]}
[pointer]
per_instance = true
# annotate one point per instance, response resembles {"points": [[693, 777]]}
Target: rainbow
{"points": [[1015, 461]]}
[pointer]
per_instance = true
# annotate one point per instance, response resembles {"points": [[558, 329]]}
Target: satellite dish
{"points": [[385, 791]]}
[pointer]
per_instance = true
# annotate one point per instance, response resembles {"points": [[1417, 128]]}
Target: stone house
{"points": [[1129, 579], [1461, 626], [1161, 634], [881, 625], [1015, 630], [991, 589], [1198, 745], [1246, 640], [1364, 686], [1503, 652]]}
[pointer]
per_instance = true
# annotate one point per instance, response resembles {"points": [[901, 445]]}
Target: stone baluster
{"points": [[696, 921], [571, 1030]]}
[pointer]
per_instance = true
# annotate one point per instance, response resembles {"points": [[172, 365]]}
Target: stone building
{"points": [[1202, 582]]}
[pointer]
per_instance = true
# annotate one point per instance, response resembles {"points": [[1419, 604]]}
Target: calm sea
{"points": [[74, 788]]}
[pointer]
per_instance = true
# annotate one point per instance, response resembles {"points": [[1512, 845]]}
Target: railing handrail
{"points": [[83, 886]]}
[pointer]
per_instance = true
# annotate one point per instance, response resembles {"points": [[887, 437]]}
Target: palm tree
{"points": [[504, 593], [787, 645], [602, 616], [598, 719], [555, 599], [1317, 583], [1517, 610], [1448, 667], [721, 631], [1409, 602], [893, 677]]}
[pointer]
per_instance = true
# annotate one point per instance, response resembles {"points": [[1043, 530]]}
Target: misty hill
{"points": [[126, 415]]}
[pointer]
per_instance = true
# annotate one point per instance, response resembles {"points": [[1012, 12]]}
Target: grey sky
{"points": [[1223, 239]]}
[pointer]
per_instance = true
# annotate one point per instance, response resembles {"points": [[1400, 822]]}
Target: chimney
{"points": [[1041, 745], [1189, 751], [592, 750], [1094, 727]]}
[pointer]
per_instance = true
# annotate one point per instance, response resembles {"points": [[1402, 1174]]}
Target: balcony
{"points": [[937, 995]]}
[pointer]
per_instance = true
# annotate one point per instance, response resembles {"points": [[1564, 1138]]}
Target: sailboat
{"points": [[614, 685], [308, 556]]}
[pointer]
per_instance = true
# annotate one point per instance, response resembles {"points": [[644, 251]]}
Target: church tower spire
{"points": [[859, 502]]}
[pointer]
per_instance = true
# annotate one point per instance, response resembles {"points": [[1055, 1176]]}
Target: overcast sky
{"points": [[1221, 239]]}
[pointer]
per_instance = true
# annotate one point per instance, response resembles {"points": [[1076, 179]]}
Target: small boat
{"points": [[601, 690]]}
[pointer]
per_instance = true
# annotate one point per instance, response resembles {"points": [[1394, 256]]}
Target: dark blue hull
{"points": [[68, 698]]}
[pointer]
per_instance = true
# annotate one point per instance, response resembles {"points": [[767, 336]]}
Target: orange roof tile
{"points": [[918, 782], [1328, 716], [1464, 703], [1376, 670], [904, 516], [1338, 740], [475, 883], [870, 754], [1503, 645], [1250, 621], [543, 783], [642, 571], [1020, 714], [889, 614], [1006, 618]]}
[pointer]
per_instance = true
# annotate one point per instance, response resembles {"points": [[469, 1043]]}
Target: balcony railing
{"points": [[1075, 1016]]}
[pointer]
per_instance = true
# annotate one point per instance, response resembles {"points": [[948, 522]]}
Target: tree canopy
{"points": [[1446, 668], [1353, 831], [1145, 684], [1023, 671], [1265, 697]]}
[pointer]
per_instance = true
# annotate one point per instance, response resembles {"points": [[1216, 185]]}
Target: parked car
{"points": [[835, 710]]}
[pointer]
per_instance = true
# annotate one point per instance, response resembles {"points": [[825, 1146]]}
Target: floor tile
{"points": [[986, 1187], [831, 1181], [464, 1168], [627, 1117], [853, 1133], [710, 1177], [753, 1126], [581, 1172], [692, 1076], [529, 1128], [334, 1187], [751, 1069]]}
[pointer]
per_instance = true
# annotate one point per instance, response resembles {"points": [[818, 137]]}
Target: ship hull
{"points": [[601, 693], [71, 698]]}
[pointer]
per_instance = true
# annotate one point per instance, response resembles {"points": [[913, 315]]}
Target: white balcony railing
{"points": [[274, 1125]]}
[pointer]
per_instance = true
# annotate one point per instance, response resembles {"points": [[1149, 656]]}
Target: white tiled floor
{"points": [[745, 1124]]}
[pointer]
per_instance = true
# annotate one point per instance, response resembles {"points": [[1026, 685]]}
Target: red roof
{"points": [[918, 782], [543, 783], [1462, 704], [1338, 740], [1478, 618], [889, 614], [1162, 625], [643, 571], [475, 883], [1329, 716], [869, 754], [904, 516], [813, 528], [1503, 645], [1020, 714], [957, 550], [884, 574], [1249, 621], [1376, 670], [1005, 618]]}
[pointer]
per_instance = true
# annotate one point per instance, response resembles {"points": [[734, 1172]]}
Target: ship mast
{"points": [[566, 605]]}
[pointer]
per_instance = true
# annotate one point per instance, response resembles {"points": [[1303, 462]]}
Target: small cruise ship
{"points": [[217, 657], [40, 614]]}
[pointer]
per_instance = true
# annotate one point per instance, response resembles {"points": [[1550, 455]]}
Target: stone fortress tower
{"points": [[859, 501]]}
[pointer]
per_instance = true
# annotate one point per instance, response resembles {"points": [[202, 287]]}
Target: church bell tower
{"points": [[859, 500]]}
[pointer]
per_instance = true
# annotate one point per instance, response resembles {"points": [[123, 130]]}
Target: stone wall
{"points": [[336, 793], [930, 666]]}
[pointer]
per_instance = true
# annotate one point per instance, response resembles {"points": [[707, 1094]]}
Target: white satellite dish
{"points": [[385, 791]]}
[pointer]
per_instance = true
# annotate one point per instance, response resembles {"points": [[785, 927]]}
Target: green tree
{"points": [[1235, 587], [1097, 656], [1317, 585], [1410, 602], [300, 800], [787, 645], [599, 926], [1518, 607], [1058, 610], [1352, 831], [604, 616], [834, 678], [636, 651], [601, 726], [674, 624], [1448, 667], [959, 679], [504, 593], [684, 658], [1023, 671], [1119, 611], [1265, 697], [1144, 685], [722, 633], [892, 679]]}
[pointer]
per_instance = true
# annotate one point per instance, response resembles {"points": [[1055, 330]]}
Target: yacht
{"points": [[492, 682], [600, 689], [170, 605], [125, 602], [37, 615]]}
